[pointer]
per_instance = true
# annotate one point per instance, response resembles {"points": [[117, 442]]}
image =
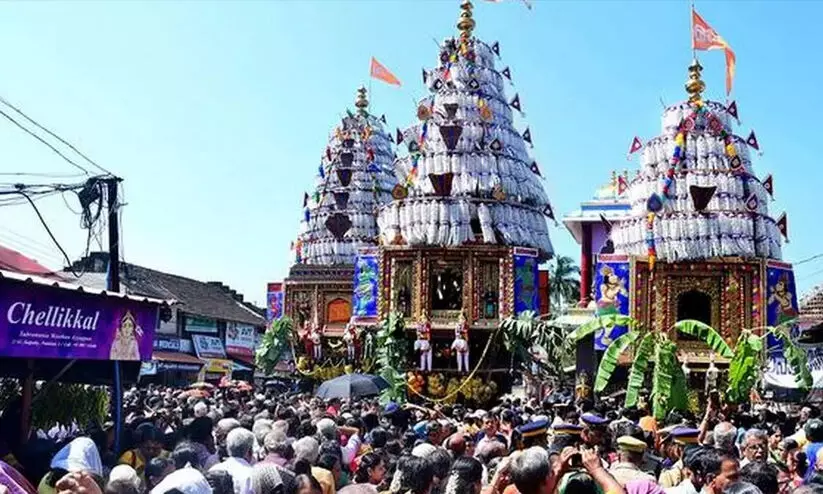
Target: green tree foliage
{"points": [[276, 340], [564, 283], [522, 333]]}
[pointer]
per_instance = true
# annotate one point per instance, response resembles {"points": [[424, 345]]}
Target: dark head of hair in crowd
{"points": [[156, 468], [416, 474], [185, 454], [121, 487], [761, 474], [379, 437], [367, 462], [705, 464], [302, 467], [200, 430], [328, 461], [304, 482], [465, 476], [306, 429], [441, 462], [220, 482]]}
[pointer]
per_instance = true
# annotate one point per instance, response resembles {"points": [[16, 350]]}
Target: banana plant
{"points": [[275, 341], [669, 388], [751, 355], [527, 330], [392, 346]]}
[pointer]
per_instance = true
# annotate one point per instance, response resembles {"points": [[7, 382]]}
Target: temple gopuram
{"points": [[699, 241]]}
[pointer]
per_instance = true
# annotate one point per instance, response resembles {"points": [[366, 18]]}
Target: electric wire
{"points": [[29, 132], [44, 129]]}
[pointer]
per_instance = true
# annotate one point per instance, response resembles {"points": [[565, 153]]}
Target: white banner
{"points": [[240, 339], [208, 347]]}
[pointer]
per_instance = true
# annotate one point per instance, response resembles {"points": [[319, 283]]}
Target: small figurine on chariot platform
{"points": [[316, 338], [351, 341], [460, 345], [423, 343]]}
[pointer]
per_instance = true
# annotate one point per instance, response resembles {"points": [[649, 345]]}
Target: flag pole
{"points": [[691, 28], [371, 95]]}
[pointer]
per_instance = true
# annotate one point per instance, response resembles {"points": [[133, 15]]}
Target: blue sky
{"points": [[216, 113]]}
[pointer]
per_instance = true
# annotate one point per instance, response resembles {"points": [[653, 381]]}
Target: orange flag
{"points": [[704, 37], [378, 71]]}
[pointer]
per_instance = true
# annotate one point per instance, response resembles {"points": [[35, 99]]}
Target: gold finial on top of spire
{"points": [[362, 103], [465, 23], [695, 85]]}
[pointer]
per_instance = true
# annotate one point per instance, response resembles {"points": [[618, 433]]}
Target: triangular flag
{"points": [[752, 141], [783, 226], [507, 73], [515, 103], [442, 183], [535, 169], [752, 203], [636, 146], [496, 48], [425, 76], [701, 196], [527, 135], [383, 118], [380, 72], [451, 134], [391, 138], [548, 211], [622, 185], [305, 199], [768, 184], [732, 110], [399, 136]]}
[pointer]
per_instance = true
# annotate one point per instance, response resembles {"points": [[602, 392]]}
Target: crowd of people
{"points": [[246, 442]]}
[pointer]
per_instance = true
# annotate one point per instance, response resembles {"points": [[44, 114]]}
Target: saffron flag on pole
{"points": [[704, 37], [379, 71]]}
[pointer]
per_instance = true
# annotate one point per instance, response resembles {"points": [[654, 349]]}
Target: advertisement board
{"points": [[38, 321]]}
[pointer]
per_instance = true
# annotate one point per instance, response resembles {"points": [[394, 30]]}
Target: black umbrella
{"points": [[352, 386]]}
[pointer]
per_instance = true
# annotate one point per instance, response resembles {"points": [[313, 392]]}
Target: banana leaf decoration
{"points": [[665, 367], [795, 357], [744, 367], [597, 323], [637, 376], [274, 343], [706, 334], [610, 358]]}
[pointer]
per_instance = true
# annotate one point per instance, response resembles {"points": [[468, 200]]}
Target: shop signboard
{"points": [[38, 321], [167, 344], [208, 347], [196, 324], [216, 369], [240, 339]]}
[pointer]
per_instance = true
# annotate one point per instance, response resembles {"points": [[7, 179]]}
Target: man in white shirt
{"points": [[239, 446]]}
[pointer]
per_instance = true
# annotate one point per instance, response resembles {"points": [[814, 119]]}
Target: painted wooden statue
{"points": [[423, 343], [460, 345]]}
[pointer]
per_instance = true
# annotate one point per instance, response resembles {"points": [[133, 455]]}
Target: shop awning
{"points": [[177, 361]]}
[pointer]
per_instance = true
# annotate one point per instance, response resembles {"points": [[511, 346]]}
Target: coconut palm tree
{"points": [[564, 283]]}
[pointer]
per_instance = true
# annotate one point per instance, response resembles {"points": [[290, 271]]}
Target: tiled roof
{"points": [[213, 300], [811, 306], [11, 260]]}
